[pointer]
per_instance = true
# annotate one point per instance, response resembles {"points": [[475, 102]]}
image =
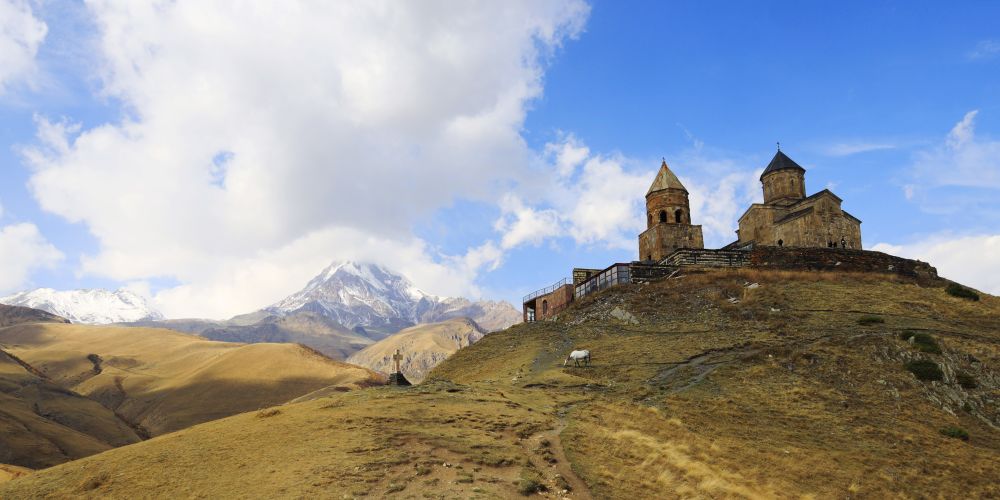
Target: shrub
{"points": [[871, 320], [956, 290], [527, 486], [530, 482], [926, 343], [925, 370], [967, 407], [965, 380], [955, 432]]}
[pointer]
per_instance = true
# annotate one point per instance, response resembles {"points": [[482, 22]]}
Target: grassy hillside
{"points": [[161, 380], [42, 424], [423, 347], [304, 327], [701, 386]]}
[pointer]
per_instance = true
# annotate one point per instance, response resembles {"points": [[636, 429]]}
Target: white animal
{"points": [[576, 356]]}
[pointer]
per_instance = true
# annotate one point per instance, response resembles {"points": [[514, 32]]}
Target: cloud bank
{"points": [[260, 141]]}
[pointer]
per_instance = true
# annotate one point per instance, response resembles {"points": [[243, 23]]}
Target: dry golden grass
{"points": [[42, 424], [782, 394], [162, 380], [11, 472]]}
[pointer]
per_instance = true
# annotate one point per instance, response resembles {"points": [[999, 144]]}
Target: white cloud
{"points": [[599, 200], [853, 148], [985, 49], [260, 136], [22, 250], [970, 260], [963, 160], [21, 33], [591, 198]]}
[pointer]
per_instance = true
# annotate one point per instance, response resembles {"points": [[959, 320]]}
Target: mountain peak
{"points": [[370, 295]]}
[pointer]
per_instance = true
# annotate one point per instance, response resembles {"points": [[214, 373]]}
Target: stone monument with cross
{"points": [[396, 377]]}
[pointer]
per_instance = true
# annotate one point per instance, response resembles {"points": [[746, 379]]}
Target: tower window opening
{"points": [[781, 243], [677, 216], [663, 216]]}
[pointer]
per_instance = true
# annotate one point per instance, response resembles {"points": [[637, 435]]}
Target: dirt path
{"points": [[578, 488]]}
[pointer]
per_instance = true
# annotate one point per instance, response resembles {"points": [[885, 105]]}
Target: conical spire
{"points": [[781, 161], [665, 179]]}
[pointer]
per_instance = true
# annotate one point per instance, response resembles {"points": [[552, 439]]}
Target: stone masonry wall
{"points": [[707, 258], [661, 240], [838, 259]]}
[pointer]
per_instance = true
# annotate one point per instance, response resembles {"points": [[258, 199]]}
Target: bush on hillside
{"points": [[956, 290], [955, 432], [925, 370], [870, 320], [922, 341], [966, 381]]}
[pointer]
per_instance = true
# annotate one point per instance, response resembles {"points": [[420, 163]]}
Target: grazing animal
{"points": [[576, 356]]}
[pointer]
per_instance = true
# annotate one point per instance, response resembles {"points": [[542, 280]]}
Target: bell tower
{"points": [[784, 180], [668, 218]]}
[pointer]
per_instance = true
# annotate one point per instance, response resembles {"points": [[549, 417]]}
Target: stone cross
{"points": [[397, 357]]}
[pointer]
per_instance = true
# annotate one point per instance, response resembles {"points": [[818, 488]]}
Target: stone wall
{"points": [[707, 258], [787, 184], [661, 240], [813, 222], [837, 259], [640, 273]]}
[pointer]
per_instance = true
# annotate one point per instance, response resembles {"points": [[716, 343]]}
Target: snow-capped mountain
{"points": [[367, 295], [94, 307]]}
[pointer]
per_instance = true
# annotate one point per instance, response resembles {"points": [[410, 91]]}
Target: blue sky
{"points": [[215, 159]]}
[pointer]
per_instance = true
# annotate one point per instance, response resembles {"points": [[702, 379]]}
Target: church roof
{"points": [[780, 162], [665, 179]]}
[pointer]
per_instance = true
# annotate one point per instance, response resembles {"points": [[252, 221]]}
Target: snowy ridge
{"points": [[94, 307], [369, 295]]}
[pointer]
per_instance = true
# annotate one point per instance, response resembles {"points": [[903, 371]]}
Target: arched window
{"points": [[781, 243], [663, 216], [650, 221], [545, 307], [677, 215]]}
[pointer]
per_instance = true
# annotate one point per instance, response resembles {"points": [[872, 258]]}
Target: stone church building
{"points": [[786, 218], [668, 218], [790, 218]]}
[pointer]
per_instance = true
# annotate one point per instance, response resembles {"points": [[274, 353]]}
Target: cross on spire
{"points": [[779, 145]]}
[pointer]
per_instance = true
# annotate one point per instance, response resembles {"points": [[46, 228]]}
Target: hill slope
{"points": [[42, 424], [794, 388], [14, 315], [303, 327], [162, 380], [422, 347]]}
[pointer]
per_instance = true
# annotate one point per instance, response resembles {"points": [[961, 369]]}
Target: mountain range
{"points": [[374, 297], [92, 307], [344, 309]]}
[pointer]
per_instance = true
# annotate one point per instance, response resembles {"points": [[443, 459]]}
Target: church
{"points": [[786, 218]]}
